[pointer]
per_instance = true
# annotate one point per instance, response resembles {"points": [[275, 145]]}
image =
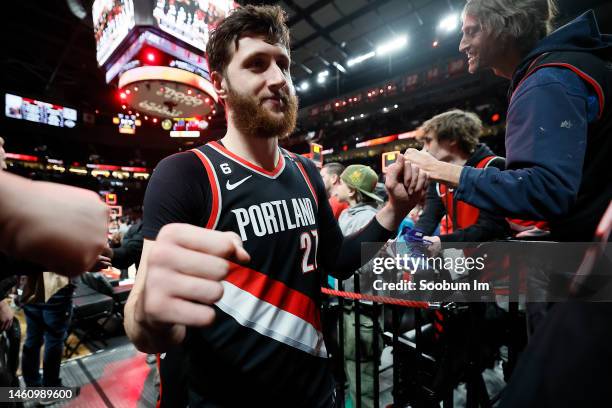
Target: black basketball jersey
{"points": [[268, 329]]}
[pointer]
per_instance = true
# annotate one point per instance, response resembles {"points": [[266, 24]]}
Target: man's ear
{"points": [[220, 84], [352, 192], [335, 179]]}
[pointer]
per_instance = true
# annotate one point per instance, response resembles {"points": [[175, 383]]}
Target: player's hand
{"points": [[183, 276], [405, 185], [60, 227]]}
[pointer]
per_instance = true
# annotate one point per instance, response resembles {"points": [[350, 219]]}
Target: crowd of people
{"points": [[236, 234]]}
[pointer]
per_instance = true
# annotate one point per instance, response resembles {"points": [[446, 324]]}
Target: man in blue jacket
{"points": [[559, 119], [559, 146]]}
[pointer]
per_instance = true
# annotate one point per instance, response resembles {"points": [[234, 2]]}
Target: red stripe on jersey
{"points": [[234, 156], [275, 292], [214, 186], [305, 175]]}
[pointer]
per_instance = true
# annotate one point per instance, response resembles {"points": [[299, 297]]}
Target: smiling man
{"points": [[558, 151], [559, 117], [241, 294]]}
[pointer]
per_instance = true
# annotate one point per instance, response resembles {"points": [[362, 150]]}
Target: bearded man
{"points": [[241, 295]]}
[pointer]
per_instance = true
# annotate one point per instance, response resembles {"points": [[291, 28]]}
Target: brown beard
{"points": [[252, 119]]}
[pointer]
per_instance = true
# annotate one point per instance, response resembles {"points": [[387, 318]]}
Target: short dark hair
{"points": [[334, 168], [456, 125], [267, 21]]}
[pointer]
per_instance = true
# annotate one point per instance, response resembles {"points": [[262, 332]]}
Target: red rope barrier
{"points": [[378, 299]]}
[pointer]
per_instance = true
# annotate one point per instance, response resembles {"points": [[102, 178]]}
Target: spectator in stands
{"points": [[48, 314], [410, 222], [557, 143], [330, 173], [558, 151], [128, 253], [123, 226], [452, 137], [356, 188]]}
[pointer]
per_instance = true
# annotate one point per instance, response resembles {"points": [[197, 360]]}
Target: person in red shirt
{"points": [[330, 173]]}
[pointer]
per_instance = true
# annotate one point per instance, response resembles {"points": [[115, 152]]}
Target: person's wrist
{"points": [[446, 173], [390, 216]]}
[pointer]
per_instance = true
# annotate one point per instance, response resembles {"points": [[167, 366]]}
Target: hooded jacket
{"points": [[558, 136], [355, 218]]}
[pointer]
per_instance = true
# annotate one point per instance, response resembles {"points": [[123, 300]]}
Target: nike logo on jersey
{"points": [[231, 186]]}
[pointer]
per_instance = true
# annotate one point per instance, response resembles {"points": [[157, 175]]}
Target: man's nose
{"points": [[463, 45], [276, 78]]}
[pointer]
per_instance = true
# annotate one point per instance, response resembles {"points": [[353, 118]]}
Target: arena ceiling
{"points": [[49, 49]]}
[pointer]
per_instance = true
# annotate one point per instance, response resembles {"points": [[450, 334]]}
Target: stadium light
{"points": [[449, 23], [304, 86], [339, 67], [360, 59], [391, 46], [322, 76]]}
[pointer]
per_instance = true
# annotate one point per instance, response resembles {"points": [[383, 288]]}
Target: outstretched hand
{"points": [[436, 170], [405, 185]]}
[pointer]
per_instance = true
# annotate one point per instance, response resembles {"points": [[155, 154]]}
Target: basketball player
{"points": [[242, 294]]}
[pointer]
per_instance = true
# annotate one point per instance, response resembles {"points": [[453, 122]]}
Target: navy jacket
{"points": [[548, 120], [488, 227]]}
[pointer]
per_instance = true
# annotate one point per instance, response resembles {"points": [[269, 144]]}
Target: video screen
{"points": [[112, 21], [388, 158], [316, 151], [190, 20], [188, 127], [18, 107], [127, 124]]}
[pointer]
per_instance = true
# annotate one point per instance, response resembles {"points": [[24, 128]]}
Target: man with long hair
{"points": [[558, 150]]}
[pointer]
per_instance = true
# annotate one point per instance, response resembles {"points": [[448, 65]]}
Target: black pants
{"points": [[10, 355], [173, 379], [568, 360]]}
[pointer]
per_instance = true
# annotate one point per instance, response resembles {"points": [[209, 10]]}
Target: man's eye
{"points": [[258, 63]]}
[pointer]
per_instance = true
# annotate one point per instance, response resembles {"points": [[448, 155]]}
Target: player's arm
{"points": [[177, 283], [181, 265], [60, 227], [406, 185], [342, 255]]}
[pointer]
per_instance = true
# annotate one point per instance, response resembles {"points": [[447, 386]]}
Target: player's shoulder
{"points": [[180, 162], [308, 164]]}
